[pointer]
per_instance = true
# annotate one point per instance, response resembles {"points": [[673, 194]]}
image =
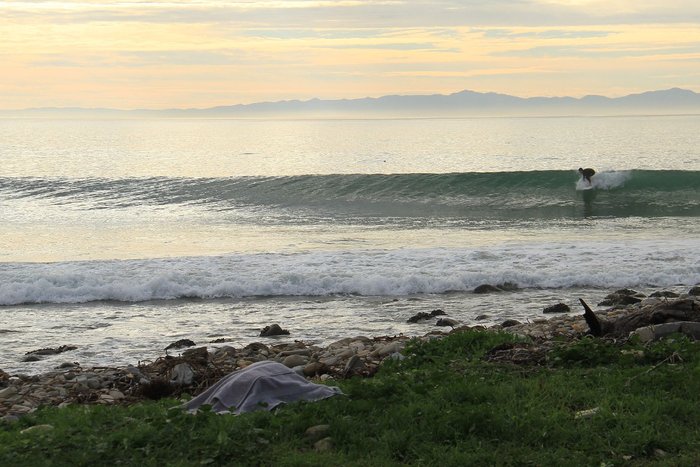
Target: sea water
{"points": [[122, 236]]}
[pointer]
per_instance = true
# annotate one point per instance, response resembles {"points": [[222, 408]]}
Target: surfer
{"points": [[587, 174]]}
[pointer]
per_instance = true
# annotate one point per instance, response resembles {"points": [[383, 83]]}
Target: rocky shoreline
{"points": [[193, 369]]}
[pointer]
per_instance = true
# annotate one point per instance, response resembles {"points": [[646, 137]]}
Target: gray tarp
{"points": [[262, 385]]}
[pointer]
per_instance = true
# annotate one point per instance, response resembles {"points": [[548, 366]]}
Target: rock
{"points": [[314, 369], [508, 286], [226, 351], [37, 429], [199, 355], [659, 331], [354, 365], [273, 330], [664, 294], [7, 392], [481, 317], [304, 352], [31, 358], [220, 340], [387, 349], [295, 360], [181, 344], [65, 365], [447, 322], [323, 445], [694, 291], [317, 432], [182, 374], [422, 315], [486, 288], [558, 308], [619, 300], [50, 351], [510, 322]]}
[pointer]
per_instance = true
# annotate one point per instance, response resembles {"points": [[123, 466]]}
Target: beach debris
{"points": [[273, 330], [651, 312], [586, 413], [558, 308]]}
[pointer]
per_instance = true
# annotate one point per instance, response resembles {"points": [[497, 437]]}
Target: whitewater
{"points": [[121, 236]]}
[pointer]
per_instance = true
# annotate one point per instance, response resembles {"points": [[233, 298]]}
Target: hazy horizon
{"points": [[182, 54]]}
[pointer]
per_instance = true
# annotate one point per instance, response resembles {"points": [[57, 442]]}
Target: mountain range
{"points": [[464, 103]]}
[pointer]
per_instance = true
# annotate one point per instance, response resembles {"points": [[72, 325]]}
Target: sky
{"points": [[132, 54]]}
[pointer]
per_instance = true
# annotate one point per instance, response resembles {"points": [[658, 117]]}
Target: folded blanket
{"points": [[262, 385]]}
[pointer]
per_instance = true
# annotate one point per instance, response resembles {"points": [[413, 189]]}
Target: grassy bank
{"points": [[594, 403]]}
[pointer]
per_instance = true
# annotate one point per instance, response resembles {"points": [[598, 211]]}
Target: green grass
{"points": [[443, 406]]}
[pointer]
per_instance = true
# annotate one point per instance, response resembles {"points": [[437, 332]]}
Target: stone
{"points": [[295, 360], [510, 322], [200, 354], [273, 330], [486, 288], [317, 432], [304, 352], [181, 344], [422, 315], [323, 445], [481, 317], [8, 392], [94, 383], [116, 394], [226, 351], [51, 351], [694, 291], [558, 308], [182, 374], [353, 365], [664, 294], [447, 322], [387, 349], [314, 369], [37, 429]]}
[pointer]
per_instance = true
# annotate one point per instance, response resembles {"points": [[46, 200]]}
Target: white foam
{"points": [[605, 180], [367, 272]]}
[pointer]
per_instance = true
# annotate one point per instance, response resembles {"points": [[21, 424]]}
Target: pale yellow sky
{"points": [[180, 54]]}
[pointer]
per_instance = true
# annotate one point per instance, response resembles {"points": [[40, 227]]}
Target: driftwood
{"points": [[681, 310]]}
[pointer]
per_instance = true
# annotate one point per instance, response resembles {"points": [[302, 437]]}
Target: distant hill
{"points": [[463, 103]]}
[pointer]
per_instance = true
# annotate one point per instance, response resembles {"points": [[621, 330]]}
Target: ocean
{"points": [[122, 236]]}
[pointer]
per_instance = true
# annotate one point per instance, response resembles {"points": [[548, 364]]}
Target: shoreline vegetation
{"points": [[543, 393]]}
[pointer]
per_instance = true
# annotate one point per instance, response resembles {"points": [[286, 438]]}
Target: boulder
{"points": [[664, 294], [182, 343], [510, 322], [558, 308], [273, 330], [447, 322], [486, 288]]}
